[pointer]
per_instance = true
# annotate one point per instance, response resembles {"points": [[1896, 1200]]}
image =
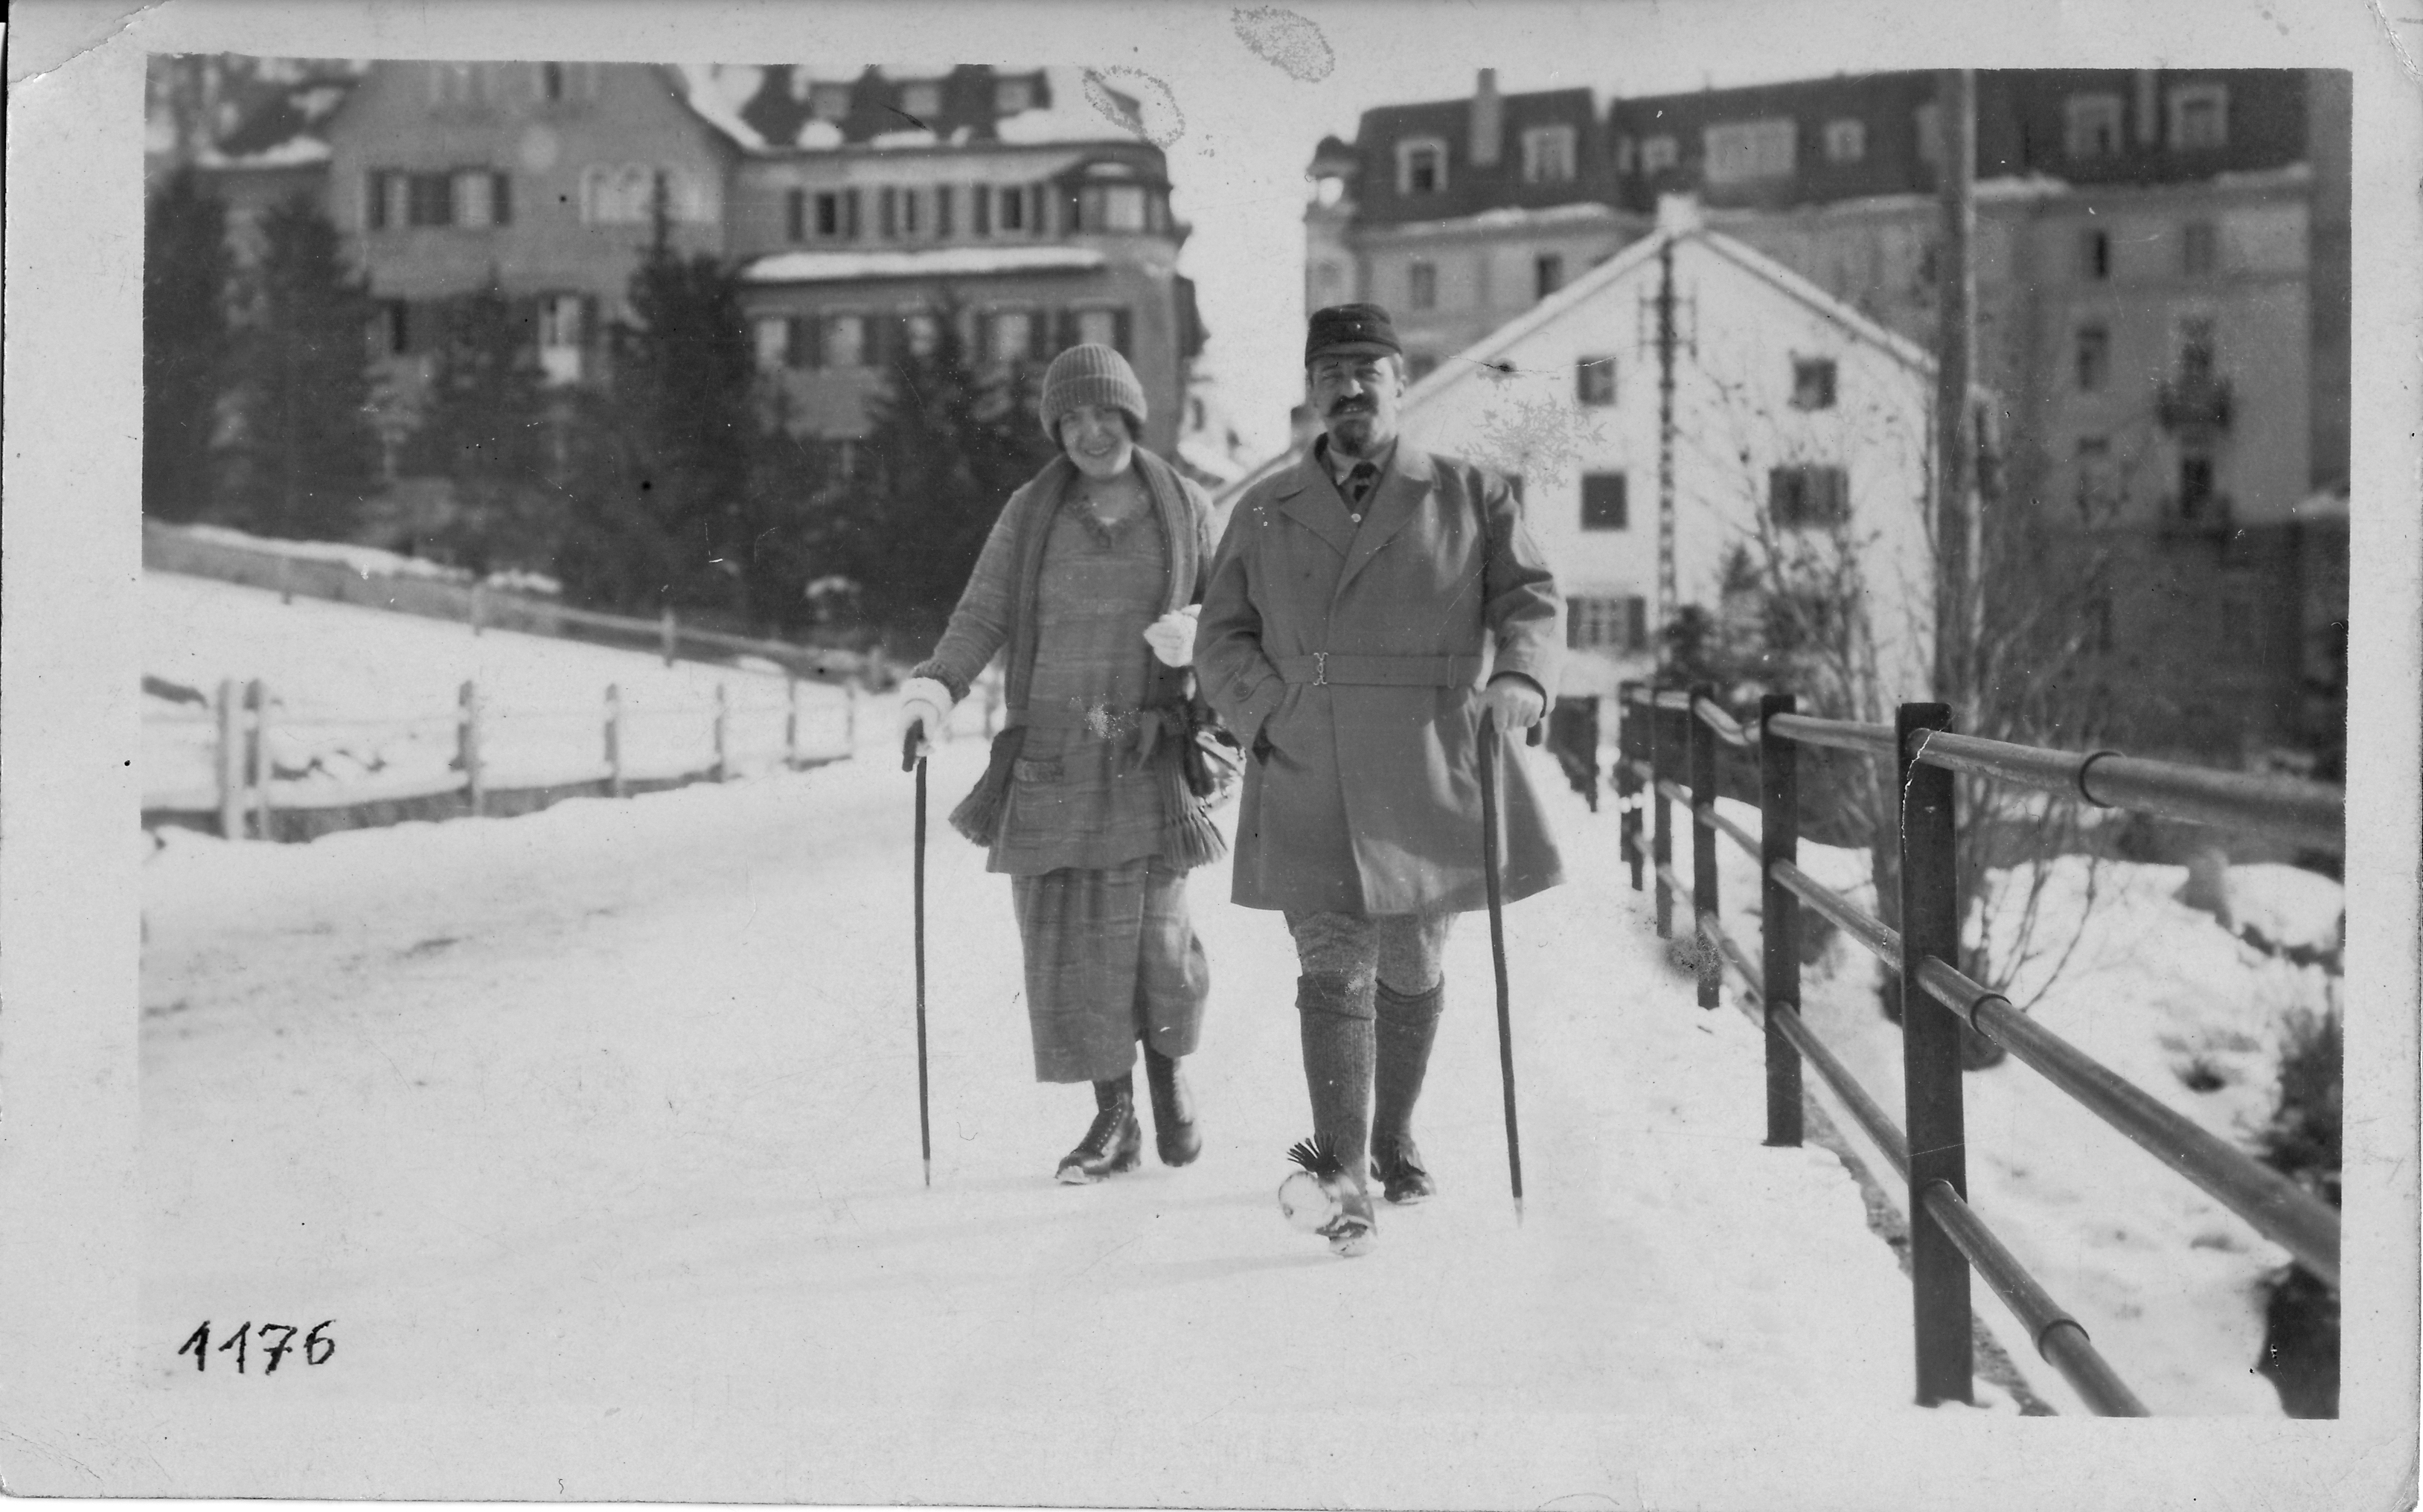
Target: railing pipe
{"points": [[2309, 813], [1881, 941], [1841, 735], [1779, 841], [1734, 832], [1930, 1039], [1673, 699], [2057, 1336], [1702, 737], [2277, 1208], [1712, 714]]}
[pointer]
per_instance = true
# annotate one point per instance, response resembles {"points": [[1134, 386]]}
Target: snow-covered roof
{"points": [[766, 108], [1507, 217], [939, 262], [703, 88]]}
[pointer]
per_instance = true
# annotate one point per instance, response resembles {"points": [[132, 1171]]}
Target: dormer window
{"points": [[2199, 116], [922, 101], [1549, 154], [828, 102], [1847, 141], [1741, 151], [2091, 126], [1421, 167], [1011, 96], [1659, 154]]}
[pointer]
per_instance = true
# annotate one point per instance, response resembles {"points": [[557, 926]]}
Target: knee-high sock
{"points": [[1407, 1024], [1335, 1014]]}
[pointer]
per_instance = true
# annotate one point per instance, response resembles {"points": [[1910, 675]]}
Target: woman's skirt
{"points": [[1111, 958]]}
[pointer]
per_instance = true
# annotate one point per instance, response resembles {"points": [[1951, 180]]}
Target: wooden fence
{"points": [[245, 790], [1667, 744]]}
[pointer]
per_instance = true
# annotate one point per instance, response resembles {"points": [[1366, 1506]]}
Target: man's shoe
{"points": [[1321, 1198], [1113, 1145], [1354, 1230], [1398, 1166]]}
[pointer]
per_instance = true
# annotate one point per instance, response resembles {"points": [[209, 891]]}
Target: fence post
{"points": [[231, 762], [467, 743], [790, 721], [1779, 839], [849, 730], [1628, 749], [668, 633], [1930, 1055], [479, 607], [722, 733], [614, 739], [1661, 828], [1702, 738], [256, 699]]}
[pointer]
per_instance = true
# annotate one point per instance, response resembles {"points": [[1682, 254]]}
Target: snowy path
{"points": [[603, 1122]]}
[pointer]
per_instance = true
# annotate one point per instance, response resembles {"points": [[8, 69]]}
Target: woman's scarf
{"points": [[1189, 839]]}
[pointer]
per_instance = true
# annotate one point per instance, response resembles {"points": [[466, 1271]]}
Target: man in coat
{"points": [[1366, 608]]}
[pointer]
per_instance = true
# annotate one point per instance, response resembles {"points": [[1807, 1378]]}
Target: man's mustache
{"points": [[1350, 406]]}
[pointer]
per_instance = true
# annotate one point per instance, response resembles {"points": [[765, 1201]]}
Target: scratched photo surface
{"points": [[547, 1044]]}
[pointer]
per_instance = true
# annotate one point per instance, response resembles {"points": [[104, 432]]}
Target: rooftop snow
{"points": [[833, 267]]}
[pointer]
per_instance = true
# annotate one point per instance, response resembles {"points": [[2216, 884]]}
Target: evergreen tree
{"points": [[306, 452], [186, 267], [945, 447], [484, 428], [684, 378], [790, 476]]}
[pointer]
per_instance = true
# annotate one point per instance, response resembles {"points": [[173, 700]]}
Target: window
{"points": [[1742, 151], [828, 102], [1603, 502], [1421, 366], [2197, 354], [2091, 125], [1114, 208], [2199, 116], [922, 101], [1012, 216], [551, 81], [1659, 155], [2093, 357], [773, 343], [795, 215], [2095, 254], [2197, 501], [1011, 96], [1549, 154], [1847, 141], [887, 211], [2092, 467], [2199, 248], [844, 343], [946, 199], [1328, 284], [913, 213], [394, 327], [1927, 120], [482, 198], [828, 215], [1547, 274], [1807, 497], [1421, 167], [1594, 381], [1812, 383], [1103, 327], [1012, 335], [563, 325], [1421, 286], [617, 195], [921, 333], [1607, 623]]}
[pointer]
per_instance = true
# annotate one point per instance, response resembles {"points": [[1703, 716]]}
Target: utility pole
{"points": [[1666, 594], [1959, 620]]}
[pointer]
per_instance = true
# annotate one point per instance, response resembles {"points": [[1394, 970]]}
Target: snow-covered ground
{"points": [[607, 1116]]}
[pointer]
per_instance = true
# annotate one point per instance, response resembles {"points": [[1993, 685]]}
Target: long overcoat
{"points": [[1350, 654]]}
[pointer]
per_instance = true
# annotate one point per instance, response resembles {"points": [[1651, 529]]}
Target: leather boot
{"points": [[1406, 1028], [1113, 1144], [1173, 1109]]}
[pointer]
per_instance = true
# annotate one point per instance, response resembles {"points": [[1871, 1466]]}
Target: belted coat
{"points": [[1349, 655]]}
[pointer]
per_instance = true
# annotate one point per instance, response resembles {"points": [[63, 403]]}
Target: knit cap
{"points": [[1089, 374]]}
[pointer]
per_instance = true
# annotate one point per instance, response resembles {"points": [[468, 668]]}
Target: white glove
{"points": [[1172, 636], [924, 709]]}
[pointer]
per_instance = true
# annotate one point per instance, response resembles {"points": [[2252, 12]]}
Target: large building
{"points": [[2161, 266], [859, 205]]}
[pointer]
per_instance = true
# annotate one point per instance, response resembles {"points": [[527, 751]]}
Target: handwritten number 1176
{"points": [[317, 1348]]}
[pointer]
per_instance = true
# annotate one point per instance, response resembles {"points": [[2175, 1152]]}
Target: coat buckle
{"points": [[1320, 668]]}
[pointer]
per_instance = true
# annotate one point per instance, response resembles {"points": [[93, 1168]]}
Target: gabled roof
{"points": [[766, 108]]}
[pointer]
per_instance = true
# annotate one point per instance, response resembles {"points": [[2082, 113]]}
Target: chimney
{"points": [[1488, 120]]}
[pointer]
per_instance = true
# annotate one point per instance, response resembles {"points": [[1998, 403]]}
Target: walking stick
{"points": [[1489, 848], [911, 760]]}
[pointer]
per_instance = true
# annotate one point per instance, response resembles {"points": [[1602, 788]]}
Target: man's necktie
{"points": [[1358, 482]]}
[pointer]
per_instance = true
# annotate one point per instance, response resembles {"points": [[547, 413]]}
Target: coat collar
{"points": [[1308, 497], [1392, 504]]}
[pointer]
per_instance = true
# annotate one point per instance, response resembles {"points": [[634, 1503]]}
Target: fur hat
{"points": [[1090, 374], [1349, 330]]}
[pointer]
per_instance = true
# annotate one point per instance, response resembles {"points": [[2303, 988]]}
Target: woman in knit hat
{"points": [[1095, 802]]}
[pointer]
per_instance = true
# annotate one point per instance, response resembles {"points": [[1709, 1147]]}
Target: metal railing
{"points": [[1674, 734]]}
